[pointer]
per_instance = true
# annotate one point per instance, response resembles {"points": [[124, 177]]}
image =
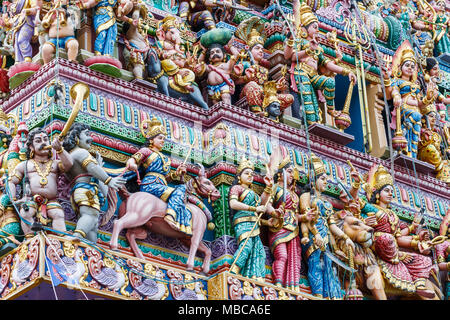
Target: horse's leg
{"points": [[207, 259], [129, 220], [195, 242], [132, 235]]}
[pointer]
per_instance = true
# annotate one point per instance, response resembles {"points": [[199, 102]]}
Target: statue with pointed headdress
{"points": [[401, 253], [284, 241], [323, 281], [156, 168], [245, 207], [258, 91], [441, 30], [306, 58], [408, 100]]}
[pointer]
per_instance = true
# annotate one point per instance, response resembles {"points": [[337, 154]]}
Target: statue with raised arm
{"points": [[61, 32], [39, 175], [89, 181], [402, 251], [307, 57], [261, 94]]}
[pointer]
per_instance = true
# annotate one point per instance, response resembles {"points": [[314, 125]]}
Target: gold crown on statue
{"points": [[306, 15], [244, 164], [318, 165], [408, 55], [284, 163], [168, 22], [377, 179], [154, 128], [254, 38]]}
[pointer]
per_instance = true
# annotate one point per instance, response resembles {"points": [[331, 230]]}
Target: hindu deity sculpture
{"points": [[88, 180], [105, 24], [306, 58], [198, 13], [407, 98], [432, 78], [246, 207], [12, 150], [441, 31], [283, 207], [219, 82], [39, 174], [137, 45], [321, 276], [255, 75], [408, 269], [430, 145], [61, 32], [173, 55], [22, 24], [157, 169]]}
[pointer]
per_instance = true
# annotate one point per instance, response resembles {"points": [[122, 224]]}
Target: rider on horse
{"points": [[157, 168]]}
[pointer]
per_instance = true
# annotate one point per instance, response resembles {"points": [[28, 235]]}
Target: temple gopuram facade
{"points": [[224, 150]]}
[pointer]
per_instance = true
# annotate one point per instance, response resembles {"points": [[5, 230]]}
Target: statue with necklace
{"points": [[39, 174]]}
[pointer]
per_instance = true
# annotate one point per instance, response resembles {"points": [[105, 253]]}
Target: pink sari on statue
{"points": [[285, 243]]}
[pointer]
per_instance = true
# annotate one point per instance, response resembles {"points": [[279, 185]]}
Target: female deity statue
{"points": [[432, 78], [441, 32], [322, 279], [245, 205], [255, 75], [284, 242], [407, 98], [404, 270], [306, 58], [157, 169]]}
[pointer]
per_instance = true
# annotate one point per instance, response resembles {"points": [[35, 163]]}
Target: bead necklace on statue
{"points": [[43, 174]]}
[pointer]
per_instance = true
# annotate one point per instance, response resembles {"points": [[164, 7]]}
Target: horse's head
{"points": [[204, 187], [356, 230]]}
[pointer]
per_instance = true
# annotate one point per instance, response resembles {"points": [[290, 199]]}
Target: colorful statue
{"points": [[11, 153], [22, 25], [245, 208], [136, 41], [407, 99], [105, 24], [39, 174], [306, 58], [156, 199], [432, 78], [89, 181], [443, 251], [255, 75], [441, 31], [198, 13], [157, 168], [61, 32], [219, 83], [168, 68], [430, 145], [407, 270], [321, 276], [284, 230]]}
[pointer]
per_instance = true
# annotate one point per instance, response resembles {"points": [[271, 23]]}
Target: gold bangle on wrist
{"points": [[60, 150], [251, 208], [107, 180], [345, 72]]}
